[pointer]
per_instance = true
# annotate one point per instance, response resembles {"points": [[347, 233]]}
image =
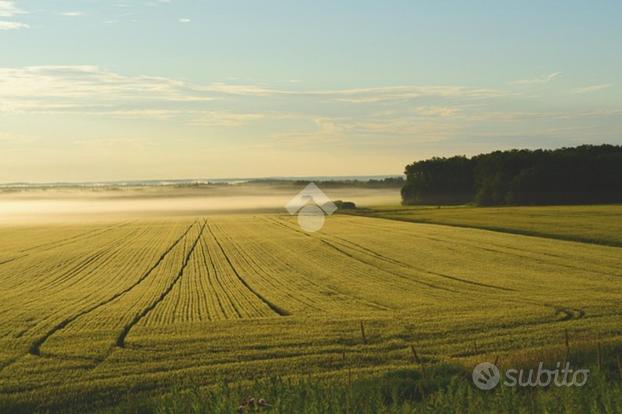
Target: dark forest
{"points": [[579, 175]]}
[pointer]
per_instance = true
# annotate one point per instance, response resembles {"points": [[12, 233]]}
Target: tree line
{"points": [[388, 182], [578, 175]]}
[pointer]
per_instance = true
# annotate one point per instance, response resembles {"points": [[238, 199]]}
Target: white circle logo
{"points": [[486, 376], [311, 218], [312, 206]]}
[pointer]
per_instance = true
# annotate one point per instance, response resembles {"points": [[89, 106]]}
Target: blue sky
{"points": [[98, 90]]}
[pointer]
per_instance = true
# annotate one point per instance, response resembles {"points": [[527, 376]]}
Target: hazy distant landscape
{"points": [[79, 202]]}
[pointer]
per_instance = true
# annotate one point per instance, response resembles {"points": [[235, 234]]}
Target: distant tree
{"points": [[345, 205]]}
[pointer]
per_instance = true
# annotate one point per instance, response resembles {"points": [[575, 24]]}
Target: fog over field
{"points": [[89, 203]]}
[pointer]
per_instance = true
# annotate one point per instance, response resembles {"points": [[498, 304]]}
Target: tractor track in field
{"points": [[421, 270], [358, 299], [524, 256], [206, 256], [324, 288], [343, 252], [568, 313], [279, 223], [275, 308], [373, 253], [235, 304], [8, 363], [400, 275], [296, 354], [271, 283], [12, 259], [35, 348], [79, 264], [495, 229], [107, 253], [510, 251], [563, 312], [78, 268], [63, 242], [79, 275], [120, 342], [69, 240], [74, 265]]}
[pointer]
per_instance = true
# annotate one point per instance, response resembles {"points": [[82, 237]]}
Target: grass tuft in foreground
{"points": [[443, 389]]}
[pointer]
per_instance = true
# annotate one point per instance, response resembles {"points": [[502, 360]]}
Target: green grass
{"points": [[440, 388], [593, 224], [402, 392]]}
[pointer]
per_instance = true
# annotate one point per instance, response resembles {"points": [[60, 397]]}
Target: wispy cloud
{"points": [[12, 25], [92, 91], [184, 20], [8, 8], [522, 116], [72, 13], [227, 119], [413, 113], [240, 89], [341, 131], [71, 82], [592, 88], [360, 95], [126, 142], [543, 79], [404, 93], [438, 111]]}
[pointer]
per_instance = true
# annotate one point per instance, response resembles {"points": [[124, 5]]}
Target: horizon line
{"points": [[197, 180]]}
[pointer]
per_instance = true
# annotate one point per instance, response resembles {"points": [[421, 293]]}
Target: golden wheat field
{"points": [[92, 311]]}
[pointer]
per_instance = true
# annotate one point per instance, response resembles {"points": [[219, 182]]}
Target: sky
{"points": [[94, 90]]}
